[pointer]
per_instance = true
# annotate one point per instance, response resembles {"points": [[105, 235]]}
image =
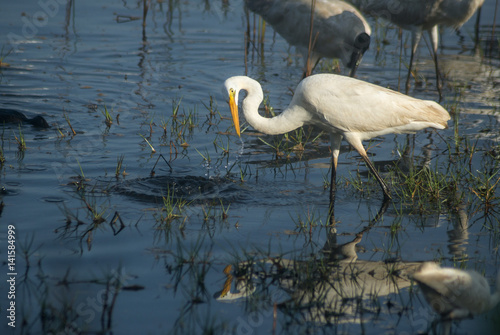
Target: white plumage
{"points": [[345, 107], [339, 29], [454, 293]]}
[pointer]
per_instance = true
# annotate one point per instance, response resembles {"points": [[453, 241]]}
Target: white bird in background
{"points": [[456, 294], [339, 29], [420, 15], [343, 106]]}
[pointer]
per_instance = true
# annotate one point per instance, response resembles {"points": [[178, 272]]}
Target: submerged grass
{"points": [[21, 142], [119, 166], [299, 285], [171, 210], [108, 119], [60, 306]]}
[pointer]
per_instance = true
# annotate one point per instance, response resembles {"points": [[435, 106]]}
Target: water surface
{"points": [[79, 226]]}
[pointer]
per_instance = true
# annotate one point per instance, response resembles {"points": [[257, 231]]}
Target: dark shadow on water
{"points": [[193, 189]]}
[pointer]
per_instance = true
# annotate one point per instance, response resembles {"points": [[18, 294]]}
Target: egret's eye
{"points": [[231, 90]]}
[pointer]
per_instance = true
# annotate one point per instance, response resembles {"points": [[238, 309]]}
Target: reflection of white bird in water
{"points": [[454, 293], [339, 29], [244, 287], [420, 15], [343, 106]]}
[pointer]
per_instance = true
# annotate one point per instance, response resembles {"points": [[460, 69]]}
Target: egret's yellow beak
{"points": [[234, 111]]}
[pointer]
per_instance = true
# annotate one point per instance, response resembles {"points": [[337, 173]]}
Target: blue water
{"points": [[86, 55]]}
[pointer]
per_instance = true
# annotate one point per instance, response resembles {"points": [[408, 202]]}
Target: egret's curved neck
{"points": [[288, 120]]}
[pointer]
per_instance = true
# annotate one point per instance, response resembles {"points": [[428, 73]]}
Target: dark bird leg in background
{"points": [[415, 39], [434, 35], [416, 36], [476, 29]]}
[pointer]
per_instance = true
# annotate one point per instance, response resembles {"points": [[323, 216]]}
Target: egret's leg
{"points": [[434, 35], [385, 189], [335, 139], [415, 39], [354, 140]]}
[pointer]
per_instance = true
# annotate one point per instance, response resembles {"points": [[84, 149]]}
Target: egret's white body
{"points": [[339, 29], [343, 106], [421, 15], [456, 293]]}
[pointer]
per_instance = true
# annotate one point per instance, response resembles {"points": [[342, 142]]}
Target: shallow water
{"points": [[85, 56]]}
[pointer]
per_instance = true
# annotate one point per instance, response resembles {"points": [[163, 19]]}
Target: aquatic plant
{"points": [[108, 119], [171, 210], [21, 142], [146, 140], [66, 117], [119, 166]]}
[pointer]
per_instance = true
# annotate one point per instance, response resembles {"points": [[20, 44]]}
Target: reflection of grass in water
{"points": [[4, 55], [215, 211], [97, 210], [313, 288], [188, 271], [58, 305], [2, 156]]}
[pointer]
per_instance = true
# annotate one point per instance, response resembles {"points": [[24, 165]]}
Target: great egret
{"points": [[418, 16], [339, 29], [343, 106], [455, 293]]}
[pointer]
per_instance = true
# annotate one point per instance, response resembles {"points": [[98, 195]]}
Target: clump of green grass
{"points": [[425, 184], [211, 108], [172, 210], [224, 210], [21, 143], [215, 213], [108, 119], [307, 222], [119, 166]]}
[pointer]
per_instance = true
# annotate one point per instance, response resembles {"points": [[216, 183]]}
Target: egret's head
{"points": [[232, 89]]}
